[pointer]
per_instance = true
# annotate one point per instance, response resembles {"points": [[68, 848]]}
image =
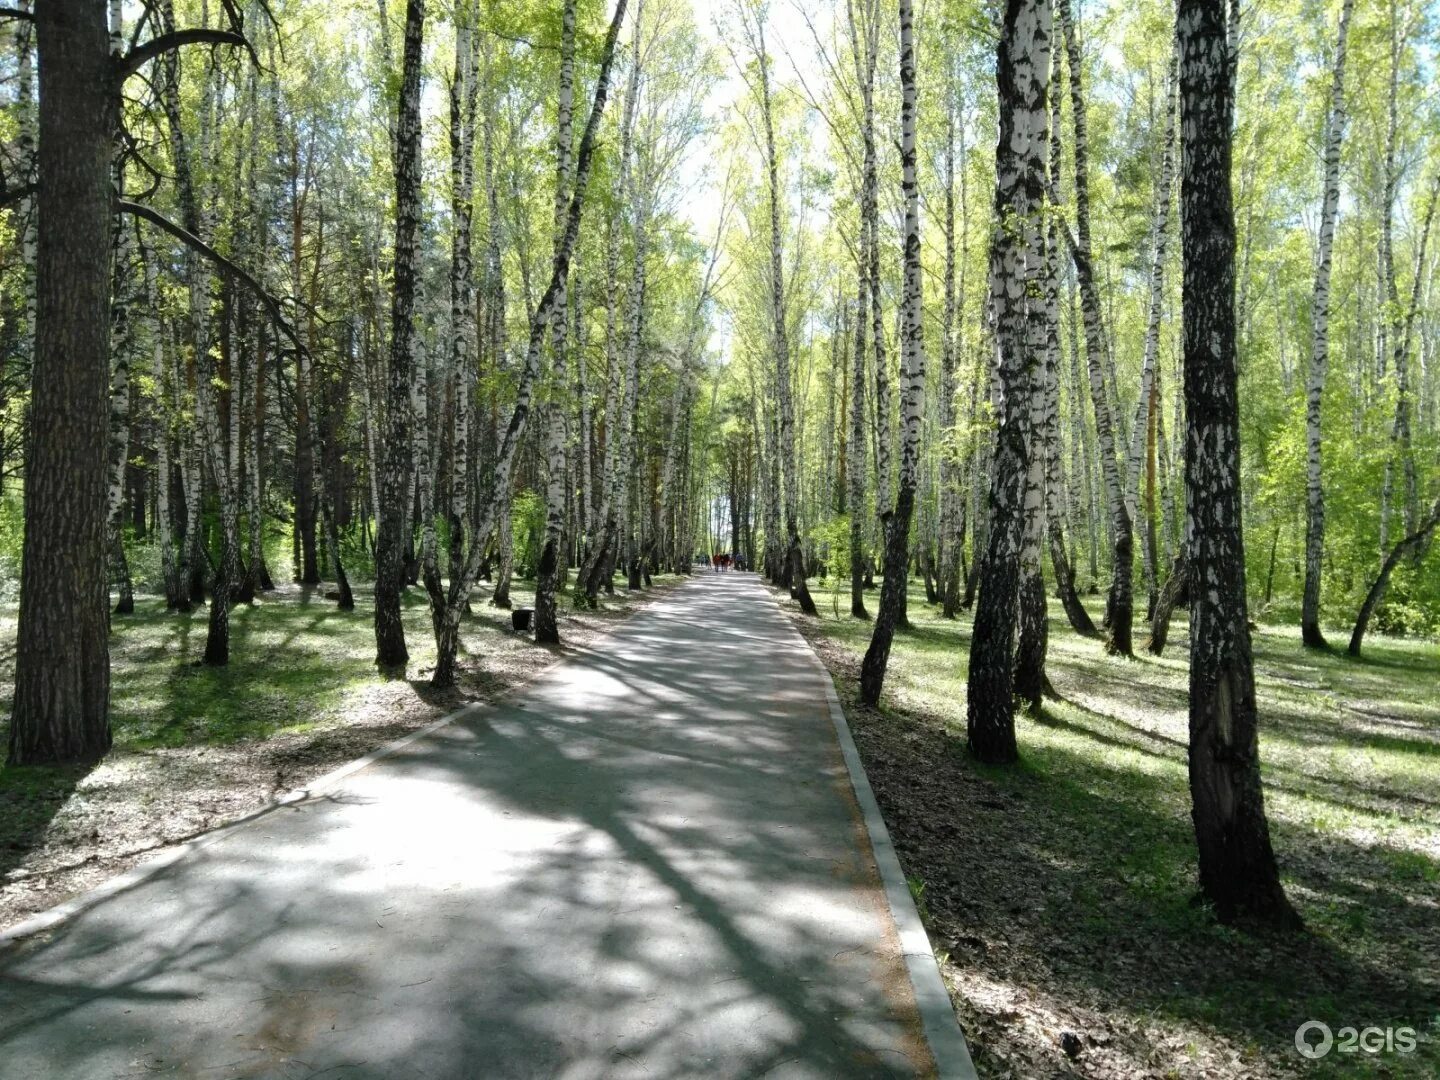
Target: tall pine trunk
{"points": [[62, 665]]}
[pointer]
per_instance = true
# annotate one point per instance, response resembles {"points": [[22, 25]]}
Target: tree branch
{"points": [[17, 13], [224, 265], [14, 195], [141, 55]]}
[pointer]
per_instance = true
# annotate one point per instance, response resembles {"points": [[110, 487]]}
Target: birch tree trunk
{"points": [[1141, 450], [952, 513], [552, 559], [1119, 607], [1411, 546], [390, 651], [162, 372], [464, 97], [1237, 866], [447, 637], [1401, 454], [855, 446], [595, 571], [896, 520], [794, 556], [1016, 271], [1310, 631]]}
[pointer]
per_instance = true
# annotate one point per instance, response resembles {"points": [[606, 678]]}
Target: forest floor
{"points": [[1060, 893], [196, 747]]}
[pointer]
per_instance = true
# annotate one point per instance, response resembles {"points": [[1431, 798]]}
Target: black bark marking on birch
{"points": [[1238, 875]]}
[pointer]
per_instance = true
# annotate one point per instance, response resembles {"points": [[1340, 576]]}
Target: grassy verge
{"points": [[197, 746], [1060, 892]]}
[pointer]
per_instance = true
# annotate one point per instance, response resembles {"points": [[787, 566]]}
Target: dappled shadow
{"points": [[1064, 888], [30, 798], [647, 865]]}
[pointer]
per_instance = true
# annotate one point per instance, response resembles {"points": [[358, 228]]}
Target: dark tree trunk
{"points": [[1237, 866], [1171, 593], [307, 572], [1411, 546], [390, 651], [62, 666]]}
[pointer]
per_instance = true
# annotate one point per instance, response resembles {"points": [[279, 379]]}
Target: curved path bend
{"points": [[649, 863]]}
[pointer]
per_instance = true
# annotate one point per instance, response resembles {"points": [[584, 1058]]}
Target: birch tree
{"points": [[447, 620], [896, 520], [1310, 631], [552, 559], [390, 651], [1119, 606], [1022, 78], [1238, 874]]}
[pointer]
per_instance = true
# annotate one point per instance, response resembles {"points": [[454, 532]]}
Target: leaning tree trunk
{"points": [[552, 557], [1119, 607], [1022, 75], [1412, 546], [62, 659], [1237, 866], [1401, 453], [1165, 607], [391, 654], [1310, 631]]}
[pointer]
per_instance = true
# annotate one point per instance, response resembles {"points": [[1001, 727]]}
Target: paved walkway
{"points": [[648, 864]]}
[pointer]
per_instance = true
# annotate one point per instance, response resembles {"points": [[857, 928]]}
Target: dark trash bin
{"points": [[520, 618]]}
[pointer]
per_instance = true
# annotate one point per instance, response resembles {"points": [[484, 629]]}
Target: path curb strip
{"points": [[937, 1014]]}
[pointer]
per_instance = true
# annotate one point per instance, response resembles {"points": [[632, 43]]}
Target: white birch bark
{"points": [[552, 559], [1146, 403], [1320, 341]]}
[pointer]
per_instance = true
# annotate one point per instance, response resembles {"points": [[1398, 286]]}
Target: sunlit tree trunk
{"points": [[552, 558], [1141, 450], [447, 636], [605, 545], [1320, 343], [1016, 279]]}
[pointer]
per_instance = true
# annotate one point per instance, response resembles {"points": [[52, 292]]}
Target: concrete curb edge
{"points": [[937, 1014]]}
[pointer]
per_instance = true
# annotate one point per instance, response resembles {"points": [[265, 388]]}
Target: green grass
{"points": [[1093, 826]]}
